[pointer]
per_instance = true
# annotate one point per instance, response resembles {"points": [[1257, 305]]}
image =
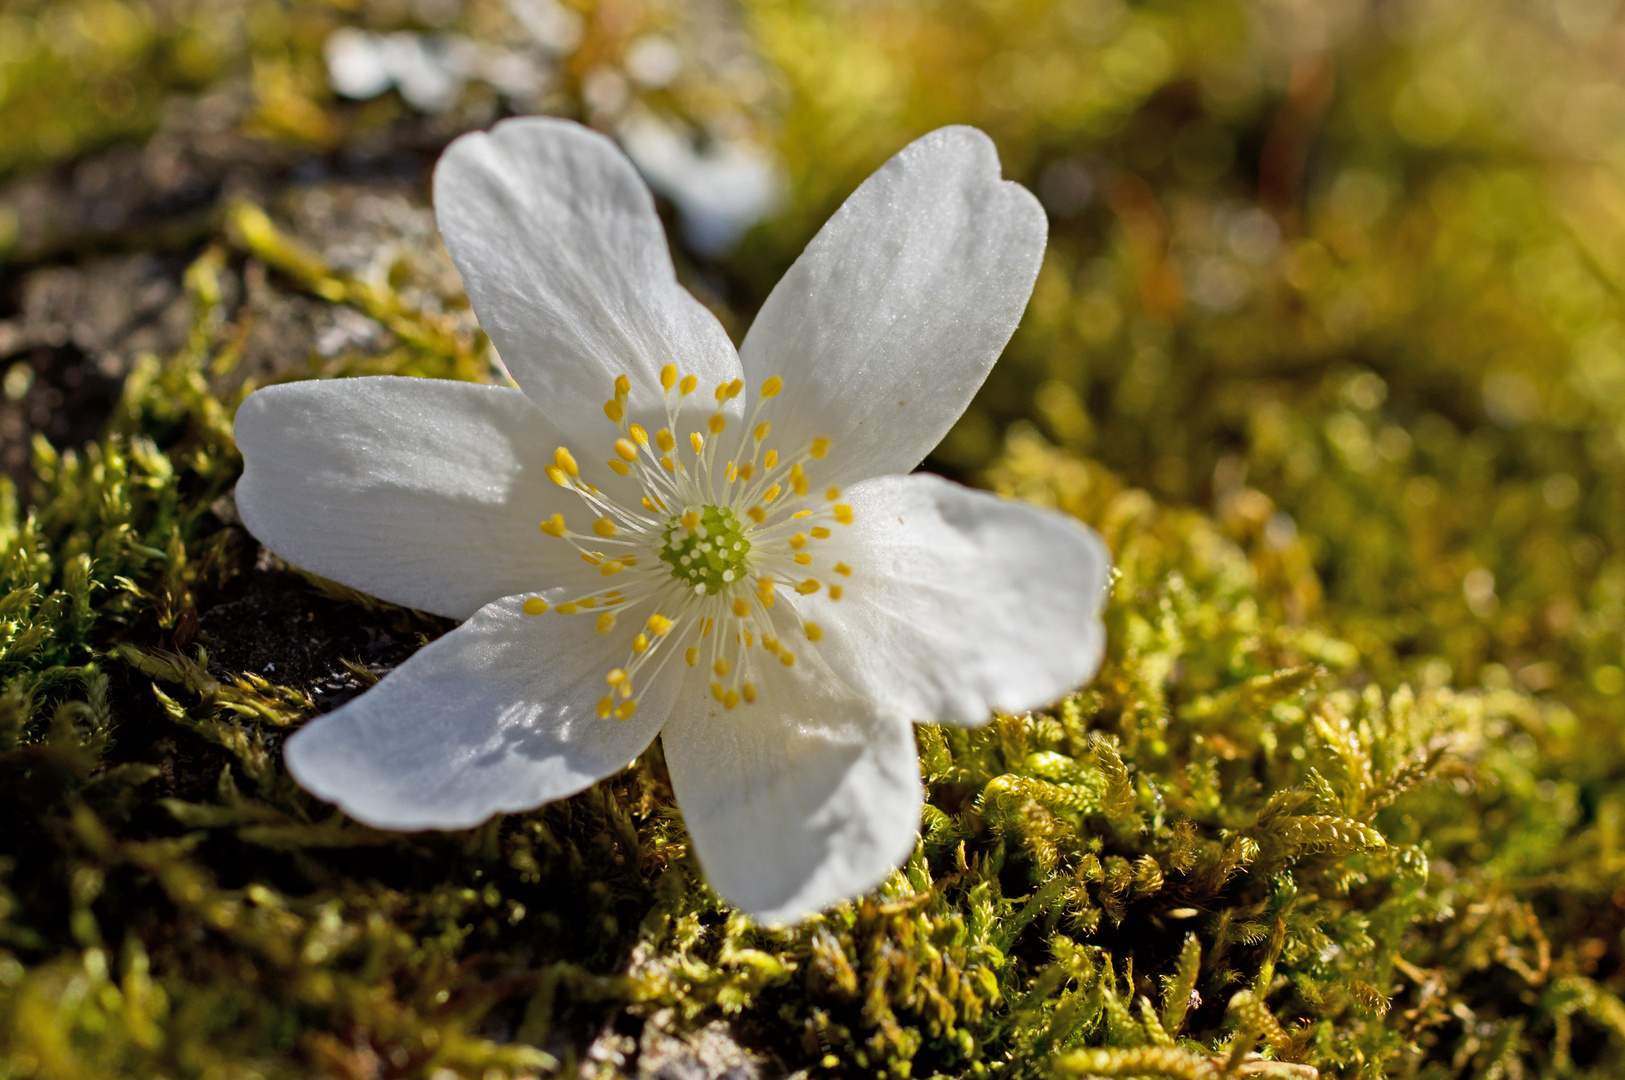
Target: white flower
{"points": [[729, 553]]}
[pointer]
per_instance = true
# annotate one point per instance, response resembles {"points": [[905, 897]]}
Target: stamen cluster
{"points": [[711, 539]]}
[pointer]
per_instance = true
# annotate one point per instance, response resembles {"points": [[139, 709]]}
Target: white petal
{"points": [[959, 602], [567, 267], [424, 492], [804, 798], [496, 716], [890, 320]]}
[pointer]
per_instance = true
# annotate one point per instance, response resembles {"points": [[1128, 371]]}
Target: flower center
{"points": [[714, 534], [705, 549]]}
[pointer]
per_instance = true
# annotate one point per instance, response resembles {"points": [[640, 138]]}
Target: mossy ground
{"points": [[1328, 346]]}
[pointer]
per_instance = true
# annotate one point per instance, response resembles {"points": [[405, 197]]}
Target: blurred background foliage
{"points": [[1328, 343]]}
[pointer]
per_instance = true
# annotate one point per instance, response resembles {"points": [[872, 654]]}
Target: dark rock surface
{"points": [[287, 631]]}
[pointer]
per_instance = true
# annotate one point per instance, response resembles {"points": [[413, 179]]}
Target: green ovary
{"points": [[706, 549]]}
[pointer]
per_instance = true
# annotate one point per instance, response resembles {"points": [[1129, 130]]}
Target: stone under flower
{"points": [[656, 534]]}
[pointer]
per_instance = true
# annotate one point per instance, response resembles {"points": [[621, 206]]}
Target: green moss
{"points": [[1232, 844], [1346, 797]]}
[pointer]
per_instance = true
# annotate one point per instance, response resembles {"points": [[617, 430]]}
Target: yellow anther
{"points": [[771, 644], [628, 560], [625, 448], [717, 423], [688, 384], [746, 471], [756, 514], [639, 436], [604, 527], [554, 526], [659, 625], [832, 494], [722, 391], [801, 513], [625, 690], [619, 467], [749, 639], [843, 513], [798, 484], [808, 587], [730, 472], [640, 643], [535, 606], [692, 656], [771, 493], [654, 506], [606, 705], [771, 459], [705, 631], [803, 558], [722, 667], [818, 449], [730, 699], [834, 592], [799, 541], [665, 440], [665, 463], [843, 569], [588, 601], [606, 622], [614, 410], [623, 386], [696, 440], [625, 709], [612, 596], [567, 609], [716, 690], [772, 386], [557, 475], [668, 376], [616, 677], [735, 387], [814, 631], [761, 432], [592, 558], [764, 588], [787, 658], [819, 532], [611, 568], [566, 461], [690, 520], [749, 691], [741, 607]]}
